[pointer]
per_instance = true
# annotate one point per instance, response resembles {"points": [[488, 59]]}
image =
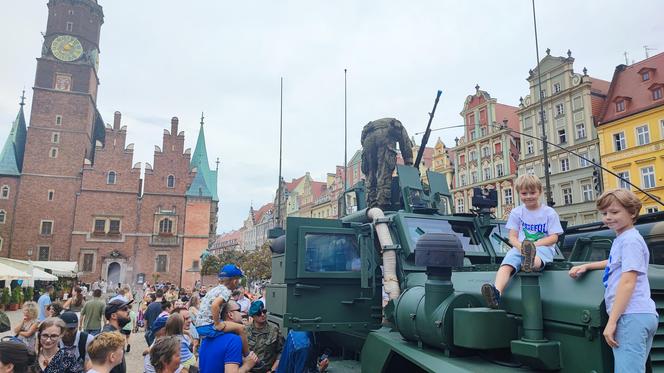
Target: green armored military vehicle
{"points": [[327, 279]]}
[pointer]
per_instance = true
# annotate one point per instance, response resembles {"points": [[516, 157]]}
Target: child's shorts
{"points": [[513, 258], [208, 331]]}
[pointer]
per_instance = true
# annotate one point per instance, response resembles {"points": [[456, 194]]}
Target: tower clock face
{"points": [[66, 48]]}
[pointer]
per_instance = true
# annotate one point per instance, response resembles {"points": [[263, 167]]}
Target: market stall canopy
{"points": [[60, 269], [37, 273], [9, 273]]}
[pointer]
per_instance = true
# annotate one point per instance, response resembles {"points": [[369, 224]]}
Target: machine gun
{"points": [[427, 133]]}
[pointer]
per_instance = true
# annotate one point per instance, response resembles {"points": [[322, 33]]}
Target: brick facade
{"points": [[78, 196]]}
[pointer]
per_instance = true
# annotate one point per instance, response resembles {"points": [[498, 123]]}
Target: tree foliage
{"points": [[257, 265], [210, 265]]}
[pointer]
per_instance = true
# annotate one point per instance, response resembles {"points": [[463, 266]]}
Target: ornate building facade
{"points": [[73, 190], [631, 131], [487, 153], [572, 105]]}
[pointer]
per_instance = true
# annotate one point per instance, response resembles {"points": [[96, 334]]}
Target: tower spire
{"points": [[202, 118], [22, 98]]}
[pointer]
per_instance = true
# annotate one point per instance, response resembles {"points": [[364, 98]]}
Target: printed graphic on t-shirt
{"points": [[605, 278], [534, 232]]}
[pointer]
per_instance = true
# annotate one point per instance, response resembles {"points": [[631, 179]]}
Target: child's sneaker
{"points": [[528, 250], [491, 295]]}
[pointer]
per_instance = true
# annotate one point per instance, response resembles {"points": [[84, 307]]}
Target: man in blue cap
{"points": [[208, 323]]}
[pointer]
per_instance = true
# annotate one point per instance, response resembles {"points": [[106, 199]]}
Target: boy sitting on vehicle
{"points": [[533, 233]]}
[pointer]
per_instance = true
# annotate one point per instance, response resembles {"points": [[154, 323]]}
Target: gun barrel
{"points": [[427, 133]]}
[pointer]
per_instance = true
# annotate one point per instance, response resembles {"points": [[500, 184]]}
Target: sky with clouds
{"points": [[172, 58]]}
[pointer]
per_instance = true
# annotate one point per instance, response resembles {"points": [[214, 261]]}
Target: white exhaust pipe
{"points": [[390, 280]]}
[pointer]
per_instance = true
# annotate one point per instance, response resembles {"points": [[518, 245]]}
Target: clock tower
{"points": [[64, 128]]}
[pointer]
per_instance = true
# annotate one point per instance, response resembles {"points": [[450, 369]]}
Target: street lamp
{"points": [[30, 253]]}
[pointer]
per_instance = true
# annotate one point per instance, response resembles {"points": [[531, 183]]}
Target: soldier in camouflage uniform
{"points": [[379, 158], [264, 339]]}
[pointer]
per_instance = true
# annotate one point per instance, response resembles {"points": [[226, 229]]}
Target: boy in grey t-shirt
{"points": [[533, 233], [633, 318]]}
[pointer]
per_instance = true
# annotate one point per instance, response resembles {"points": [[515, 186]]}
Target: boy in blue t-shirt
{"points": [[533, 233], [633, 318]]}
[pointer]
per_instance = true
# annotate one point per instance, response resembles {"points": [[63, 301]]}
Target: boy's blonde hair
{"points": [[104, 344], [527, 182], [624, 197]]}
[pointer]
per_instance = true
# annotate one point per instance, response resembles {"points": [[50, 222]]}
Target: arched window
{"points": [[3, 215], [4, 194], [170, 181], [166, 226], [110, 179]]}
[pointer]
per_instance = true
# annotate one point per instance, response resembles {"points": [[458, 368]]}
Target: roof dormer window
{"points": [[621, 103], [646, 73], [656, 91]]}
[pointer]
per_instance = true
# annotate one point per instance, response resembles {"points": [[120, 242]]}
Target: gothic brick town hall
{"points": [[69, 190]]}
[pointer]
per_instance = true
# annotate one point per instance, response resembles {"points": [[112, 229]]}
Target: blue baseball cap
{"points": [[229, 271], [158, 323]]}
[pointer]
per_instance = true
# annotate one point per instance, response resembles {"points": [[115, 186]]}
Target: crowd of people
{"points": [[73, 336], [223, 328]]}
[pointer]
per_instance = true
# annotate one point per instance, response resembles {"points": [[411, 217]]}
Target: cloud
{"points": [[226, 59]]}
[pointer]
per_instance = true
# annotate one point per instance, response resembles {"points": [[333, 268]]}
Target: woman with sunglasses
{"points": [[50, 358]]}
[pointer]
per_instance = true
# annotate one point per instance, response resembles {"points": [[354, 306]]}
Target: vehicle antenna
{"points": [[281, 116], [547, 181], [345, 136]]}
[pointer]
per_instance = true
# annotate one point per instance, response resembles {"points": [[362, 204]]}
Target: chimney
{"points": [[174, 126], [116, 120]]}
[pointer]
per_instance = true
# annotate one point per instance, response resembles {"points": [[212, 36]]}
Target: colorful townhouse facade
{"points": [[631, 130], [572, 105], [443, 161], [487, 153], [256, 226]]}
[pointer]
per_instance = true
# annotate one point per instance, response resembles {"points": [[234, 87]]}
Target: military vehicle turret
{"points": [[327, 279]]}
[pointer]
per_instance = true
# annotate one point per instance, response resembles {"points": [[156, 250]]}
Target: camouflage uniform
{"points": [[379, 158], [266, 342]]}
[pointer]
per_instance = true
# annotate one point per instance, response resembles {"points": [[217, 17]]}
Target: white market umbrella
{"points": [[9, 273]]}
